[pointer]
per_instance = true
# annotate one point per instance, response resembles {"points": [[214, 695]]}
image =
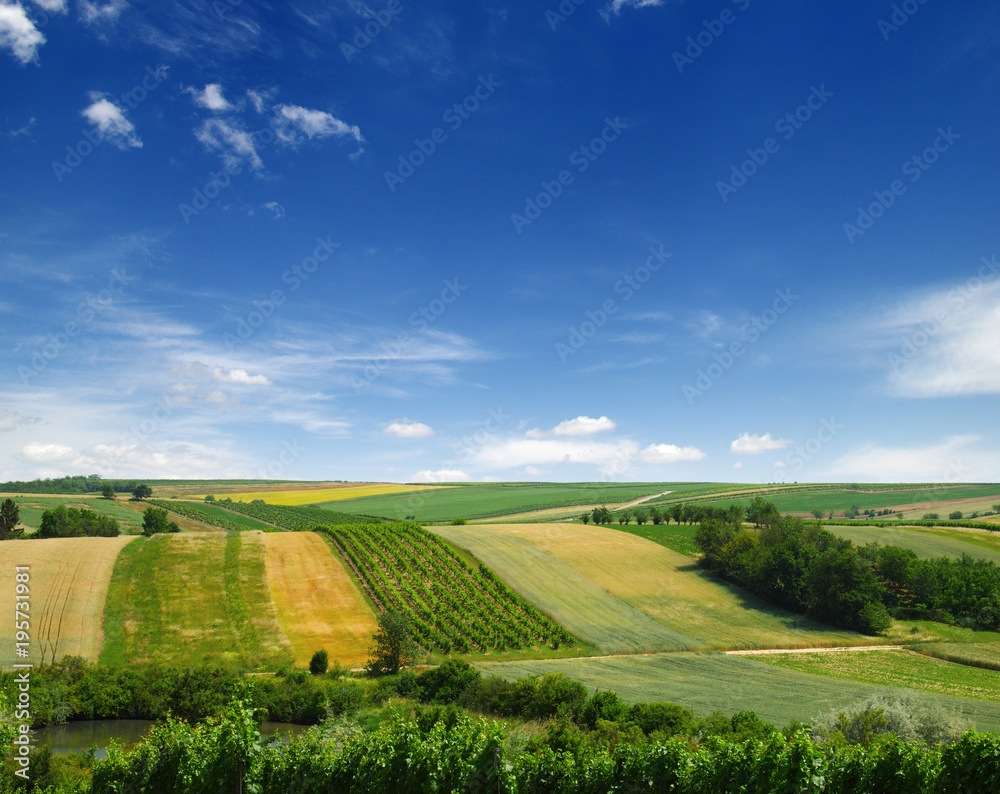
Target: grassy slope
{"points": [[895, 668], [31, 509], [804, 500], [213, 511], [707, 682], [485, 501], [626, 594], [985, 655], [925, 543], [183, 599]]}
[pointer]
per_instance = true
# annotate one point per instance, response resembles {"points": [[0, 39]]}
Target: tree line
{"points": [[804, 568]]}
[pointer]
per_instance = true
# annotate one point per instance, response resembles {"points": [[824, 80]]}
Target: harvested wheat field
{"points": [[68, 585], [317, 602], [309, 496]]}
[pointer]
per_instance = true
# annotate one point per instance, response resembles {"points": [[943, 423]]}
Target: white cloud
{"points": [[669, 453], [109, 12], [943, 343], [12, 420], [780, 464], [441, 475], [581, 426], [616, 6], [295, 121], [748, 444], [112, 126], [404, 428], [210, 97], [52, 6], [259, 99], [18, 33], [240, 376], [533, 471], [37, 452], [955, 459], [235, 143], [277, 210], [738, 464]]}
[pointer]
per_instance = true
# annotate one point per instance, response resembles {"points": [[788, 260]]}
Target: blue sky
{"points": [[644, 240]]}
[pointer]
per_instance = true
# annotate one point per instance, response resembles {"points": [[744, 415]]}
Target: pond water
{"points": [[77, 737]]}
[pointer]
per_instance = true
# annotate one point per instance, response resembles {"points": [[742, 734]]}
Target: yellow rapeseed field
{"points": [[309, 496]]}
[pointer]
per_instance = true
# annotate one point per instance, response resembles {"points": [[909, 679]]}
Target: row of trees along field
{"points": [[802, 567], [72, 522], [77, 484], [679, 512]]}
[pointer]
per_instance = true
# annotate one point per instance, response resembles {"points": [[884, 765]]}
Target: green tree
{"points": [[817, 514], [655, 516], [393, 646], [931, 516], [955, 515], [640, 517], [319, 662], [108, 491], [141, 491], [585, 518], [9, 516], [154, 521]]}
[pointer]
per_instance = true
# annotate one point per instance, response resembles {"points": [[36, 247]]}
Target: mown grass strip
{"points": [[116, 603]]}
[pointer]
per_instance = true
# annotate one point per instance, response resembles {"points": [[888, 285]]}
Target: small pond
{"points": [[77, 737]]}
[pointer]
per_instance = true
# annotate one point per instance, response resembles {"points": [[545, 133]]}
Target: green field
{"points": [[926, 543], [31, 508], [624, 594], [807, 498], [193, 598], [492, 500], [707, 682], [898, 668], [209, 513], [678, 537], [975, 654]]}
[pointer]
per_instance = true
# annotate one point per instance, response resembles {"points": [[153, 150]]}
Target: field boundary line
{"points": [[839, 648]]}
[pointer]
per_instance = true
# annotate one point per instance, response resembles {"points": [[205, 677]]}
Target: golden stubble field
{"points": [[68, 587], [317, 603]]}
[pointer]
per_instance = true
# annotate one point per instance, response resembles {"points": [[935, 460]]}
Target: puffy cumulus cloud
{"points": [[38, 452], [955, 459], [110, 121], [234, 143], [210, 97], [295, 121], [404, 428], [18, 33], [748, 444], [669, 453], [441, 475], [581, 426], [239, 376]]}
